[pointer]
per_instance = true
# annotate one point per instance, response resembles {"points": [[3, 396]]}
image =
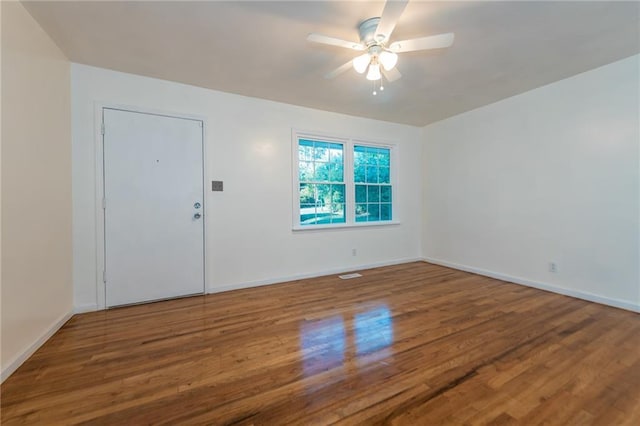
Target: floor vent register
{"points": [[349, 276]]}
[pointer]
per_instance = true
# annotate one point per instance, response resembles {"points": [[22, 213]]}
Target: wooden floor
{"points": [[413, 344]]}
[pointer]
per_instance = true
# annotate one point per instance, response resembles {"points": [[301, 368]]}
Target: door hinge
{"points": [[102, 128], [104, 203], [104, 276]]}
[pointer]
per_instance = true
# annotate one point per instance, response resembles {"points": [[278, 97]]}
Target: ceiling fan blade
{"points": [[392, 11], [392, 75], [341, 69], [423, 43], [332, 41]]}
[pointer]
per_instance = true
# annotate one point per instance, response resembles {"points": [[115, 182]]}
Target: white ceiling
{"points": [[259, 48]]}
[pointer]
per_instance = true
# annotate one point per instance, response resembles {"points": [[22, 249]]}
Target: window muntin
{"points": [[321, 182], [372, 178]]}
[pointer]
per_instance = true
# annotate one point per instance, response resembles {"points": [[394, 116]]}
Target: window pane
{"points": [[321, 172], [307, 193], [374, 212], [336, 172], [361, 193], [385, 194], [373, 193], [385, 211], [335, 153], [337, 193], [383, 173], [384, 157], [305, 171], [360, 173], [307, 202], [371, 157], [372, 174], [361, 212], [321, 151], [305, 149], [323, 194], [338, 215]]}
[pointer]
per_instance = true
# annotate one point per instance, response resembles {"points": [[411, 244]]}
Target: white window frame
{"points": [[348, 167]]}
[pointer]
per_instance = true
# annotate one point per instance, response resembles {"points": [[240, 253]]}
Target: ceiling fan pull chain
{"points": [[380, 86]]}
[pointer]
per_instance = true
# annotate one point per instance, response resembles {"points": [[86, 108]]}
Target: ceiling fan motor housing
{"points": [[367, 30]]}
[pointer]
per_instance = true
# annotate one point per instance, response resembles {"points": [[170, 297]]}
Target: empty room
{"points": [[320, 212]]}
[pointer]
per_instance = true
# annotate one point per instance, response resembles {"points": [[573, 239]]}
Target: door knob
{"points": [[197, 216]]}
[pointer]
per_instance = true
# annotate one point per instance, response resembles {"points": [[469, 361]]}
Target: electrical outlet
{"points": [[553, 267], [354, 252]]}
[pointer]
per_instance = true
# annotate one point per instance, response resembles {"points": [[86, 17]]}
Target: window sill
{"points": [[344, 226]]}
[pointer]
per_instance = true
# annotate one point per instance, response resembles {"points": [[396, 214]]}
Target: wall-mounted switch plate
{"points": [[216, 185]]}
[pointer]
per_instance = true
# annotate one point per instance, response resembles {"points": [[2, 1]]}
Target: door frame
{"points": [[101, 288]]}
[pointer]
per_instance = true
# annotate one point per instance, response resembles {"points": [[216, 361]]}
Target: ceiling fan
{"points": [[381, 56]]}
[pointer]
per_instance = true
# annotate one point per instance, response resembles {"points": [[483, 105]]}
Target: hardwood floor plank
{"points": [[406, 344]]}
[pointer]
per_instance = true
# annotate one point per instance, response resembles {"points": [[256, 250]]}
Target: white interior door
{"points": [[154, 210]]}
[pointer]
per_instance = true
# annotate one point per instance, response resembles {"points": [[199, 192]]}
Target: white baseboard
{"points": [[616, 303], [81, 309], [14, 364], [310, 275], [91, 307]]}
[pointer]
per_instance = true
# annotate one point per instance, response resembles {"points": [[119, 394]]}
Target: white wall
{"points": [[248, 146], [548, 175], [36, 187]]}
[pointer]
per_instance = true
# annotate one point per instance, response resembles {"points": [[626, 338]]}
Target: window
{"points": [[341, 182], [371, 167], [321, 179]]}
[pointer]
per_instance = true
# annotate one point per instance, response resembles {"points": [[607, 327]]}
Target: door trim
{"points": [[101, 289]]}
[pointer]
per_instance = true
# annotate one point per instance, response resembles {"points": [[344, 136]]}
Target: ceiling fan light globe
{"points": [[374, 72], [388, 59], [361, 63]]}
